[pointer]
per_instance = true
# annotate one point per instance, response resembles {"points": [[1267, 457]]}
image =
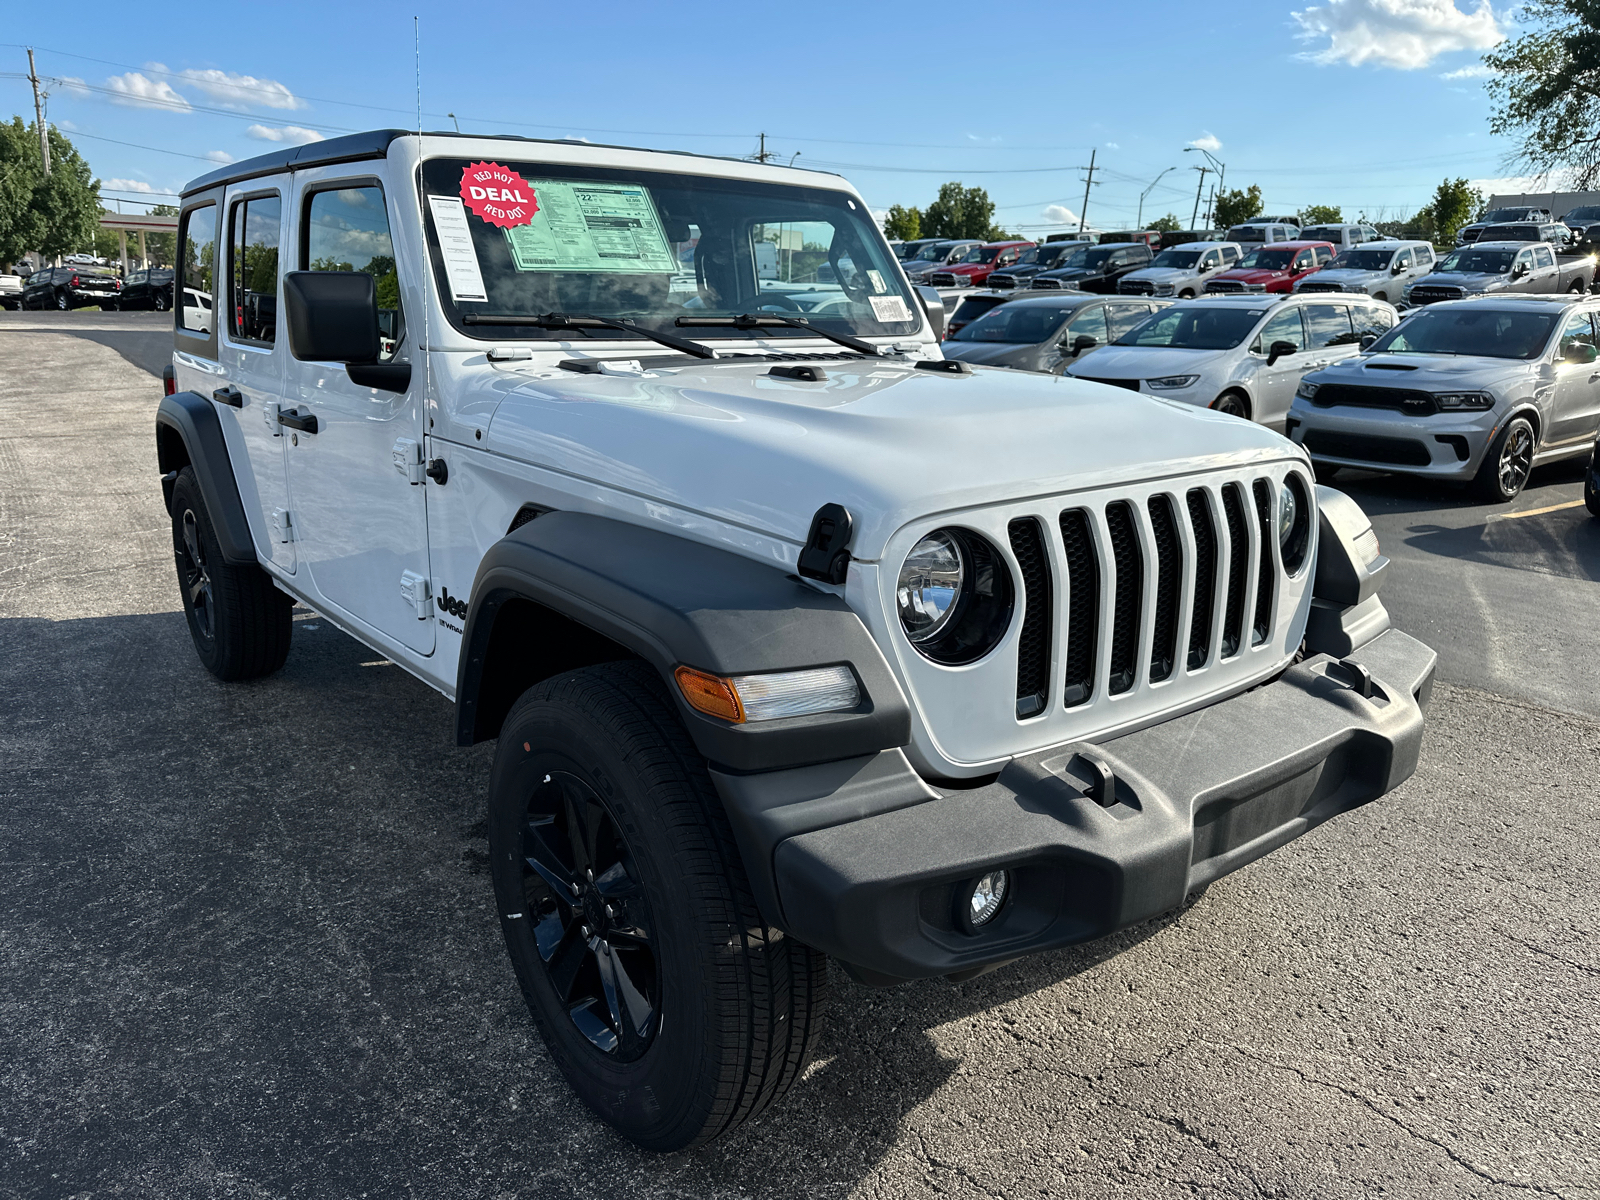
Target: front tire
{"points": [[161, 302], [674, 1011], [1506, 467], [239, 622], [1591, 483], [63, 302], [1232, 403]]}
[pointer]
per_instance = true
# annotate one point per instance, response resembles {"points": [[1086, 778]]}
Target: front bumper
{"points": [[1448, 446], [864, 860]]}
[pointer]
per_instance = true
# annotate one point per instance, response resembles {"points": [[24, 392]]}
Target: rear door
{"points": [[361, 523], [247, 350]]}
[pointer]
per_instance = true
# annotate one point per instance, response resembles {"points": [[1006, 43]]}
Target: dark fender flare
{"points": [[673, 602], [193, 421]]}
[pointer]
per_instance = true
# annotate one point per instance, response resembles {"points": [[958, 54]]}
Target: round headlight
{"points": [[929, 586], [1295, 517], [954, 596]]}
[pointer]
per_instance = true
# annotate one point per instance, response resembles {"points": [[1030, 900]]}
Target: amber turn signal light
{"points": [[710, 694]]}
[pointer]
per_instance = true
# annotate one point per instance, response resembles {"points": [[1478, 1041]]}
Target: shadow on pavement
{"points": [[250, 941]]}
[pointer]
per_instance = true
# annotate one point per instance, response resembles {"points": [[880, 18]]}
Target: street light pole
{"points": [[1138, 222], [1199, 188]]}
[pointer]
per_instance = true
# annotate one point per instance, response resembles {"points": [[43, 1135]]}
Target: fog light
{"points": [[986, 897]]}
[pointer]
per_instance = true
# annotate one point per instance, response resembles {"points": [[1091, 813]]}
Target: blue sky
{"points": [[1362, 103]]}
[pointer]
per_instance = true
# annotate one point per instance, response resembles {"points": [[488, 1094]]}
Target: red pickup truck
{"points": [[978, 263], [1273, 268]]}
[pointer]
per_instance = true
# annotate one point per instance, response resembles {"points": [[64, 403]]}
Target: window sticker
{"points": [[591, 227], [498, 195], [889, 309], [455, 246]]}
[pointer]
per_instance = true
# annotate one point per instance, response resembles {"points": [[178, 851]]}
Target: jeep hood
{"points": [[891, 443]]}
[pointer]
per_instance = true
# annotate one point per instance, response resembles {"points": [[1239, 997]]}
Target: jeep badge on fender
{"points": [[920, 669]]}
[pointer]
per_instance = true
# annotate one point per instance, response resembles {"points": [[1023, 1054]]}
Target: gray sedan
{"points": [[1045, 333]]}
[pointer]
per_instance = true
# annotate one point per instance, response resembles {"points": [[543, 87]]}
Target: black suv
{"points": [[66, 288], [148, 289], [1096, 268]]}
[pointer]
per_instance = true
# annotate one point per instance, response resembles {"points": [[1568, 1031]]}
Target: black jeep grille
{"points": [[1033, 646], [1205, 578], [1238, 564], [1083, 607], [1129, 604], [1169, 586], [1267, 573]]}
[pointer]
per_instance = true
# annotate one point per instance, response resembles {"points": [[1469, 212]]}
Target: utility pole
{"points": [[1211, 204], [1083, 213], [38, 114], [1198, 191], [762, 155]]}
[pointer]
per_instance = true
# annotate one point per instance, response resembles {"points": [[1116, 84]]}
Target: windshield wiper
{"points": [[584, 321], [771, 320]]}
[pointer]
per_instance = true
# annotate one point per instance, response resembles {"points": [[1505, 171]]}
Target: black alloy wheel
{"points": [[195, 578], [1591, 483], [63, 302], [161, 302], [1507, 465], [589, 916], [1233, 404]]}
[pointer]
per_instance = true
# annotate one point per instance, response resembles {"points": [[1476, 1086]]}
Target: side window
{"points": [[1369, 318], [347, 229], [197, 265], [1402, 259], [1305, 260], [1579, 330], [1091, 323], [1328, 325], [1324, 255], [1120, 318], [1210, 262], [1283, 327], [1543, 256], [253, 234]]}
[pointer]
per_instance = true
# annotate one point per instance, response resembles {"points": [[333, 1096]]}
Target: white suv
{"points": [[794, 638], [1381, 269], [1180, 271], [1242, 355]]}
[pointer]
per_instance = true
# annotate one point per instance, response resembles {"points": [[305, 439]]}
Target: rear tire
{"points": [[161, 302], [63, 302], [653, 892], [1576, 288], [1591, 483], [1506, 467], [240, 623]]}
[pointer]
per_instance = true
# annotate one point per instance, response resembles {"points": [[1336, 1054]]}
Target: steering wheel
{"points": [[775, 300]]}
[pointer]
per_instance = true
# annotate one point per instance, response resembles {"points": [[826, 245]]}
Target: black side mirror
{"points": [[1279, 350], [1397, 268], [1581, 354], [1083, 342], [333, 317], [1518, 271]]}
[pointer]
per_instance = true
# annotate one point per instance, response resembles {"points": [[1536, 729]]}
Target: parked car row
{"points": [[69, 287]]}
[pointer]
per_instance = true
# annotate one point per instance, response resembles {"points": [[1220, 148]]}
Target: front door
{"points": [[361, 524], [1275, 384], [1575, 414], [252, 371]]}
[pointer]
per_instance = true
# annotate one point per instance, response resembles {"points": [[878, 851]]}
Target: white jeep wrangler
{"points": [[796, 639]]}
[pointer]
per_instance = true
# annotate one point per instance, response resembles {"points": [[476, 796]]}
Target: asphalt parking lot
{"points": [[247, 949]]}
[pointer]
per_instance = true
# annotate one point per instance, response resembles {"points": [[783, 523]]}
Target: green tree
{"points": [[904, 224], [1546, 88], [1167, 224], [68, 202], [20, 227], [1321, 214], [1455, 203], [961, 212], [1236, 206]]}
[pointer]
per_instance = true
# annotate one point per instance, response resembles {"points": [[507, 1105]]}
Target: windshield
{"points": [[1270, 260], [1477, 262], [1363, 260], [652, 247], [981, 254], [1589, 212], [933, 253], [1053, 255], [1475, 331], [1073, 259], [1176, 258], [1194, 327], [1494, 216], [1018, 324]]}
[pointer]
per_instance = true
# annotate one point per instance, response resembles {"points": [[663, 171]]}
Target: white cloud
{"points": [[1059, 214], [1207, 141], [1522, 185], [240, 91], [220, 156], [1476, 71], [140, 91], [1112, 146], [293, 135], [127, 185], [1404, 34]]}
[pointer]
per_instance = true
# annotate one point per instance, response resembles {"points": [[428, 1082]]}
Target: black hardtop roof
{"points": [[374, 143]]}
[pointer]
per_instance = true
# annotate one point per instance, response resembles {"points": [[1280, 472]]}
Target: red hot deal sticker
{"points": [[498, 194]]}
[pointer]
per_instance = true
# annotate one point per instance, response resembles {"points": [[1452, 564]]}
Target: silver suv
{"points": [[1379, 269]]}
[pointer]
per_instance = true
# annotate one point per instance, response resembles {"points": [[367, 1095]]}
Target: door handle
{"points": [[294, 419], [228, 395]]}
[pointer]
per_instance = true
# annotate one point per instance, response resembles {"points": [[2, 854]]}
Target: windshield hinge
{"points": [[407, 458]]}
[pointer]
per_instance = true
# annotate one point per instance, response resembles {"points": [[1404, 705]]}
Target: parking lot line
{"points": [[1533, 512]]}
